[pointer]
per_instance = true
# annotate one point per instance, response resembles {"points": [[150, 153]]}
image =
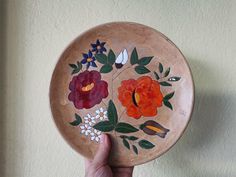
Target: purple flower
{"points": [[98, 47], [88, 59]]}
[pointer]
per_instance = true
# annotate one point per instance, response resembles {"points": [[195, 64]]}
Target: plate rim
{"points": [[121, 23]]}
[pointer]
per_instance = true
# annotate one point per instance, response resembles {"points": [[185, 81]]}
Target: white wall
{"points": [[37, 31]]}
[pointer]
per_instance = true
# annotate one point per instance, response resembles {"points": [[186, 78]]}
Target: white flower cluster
{"points": [[89, 121]]}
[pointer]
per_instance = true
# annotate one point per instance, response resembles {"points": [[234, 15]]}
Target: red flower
{"points": [[87, 89], [141, 97]]}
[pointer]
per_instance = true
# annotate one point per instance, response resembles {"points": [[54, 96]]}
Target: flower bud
{"points": [[151, 127]]}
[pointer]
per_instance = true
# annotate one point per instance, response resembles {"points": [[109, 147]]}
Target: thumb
{"points": [[102, 155]]}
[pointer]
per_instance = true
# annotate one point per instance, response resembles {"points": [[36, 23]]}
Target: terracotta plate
{"points": [[127, 80]]}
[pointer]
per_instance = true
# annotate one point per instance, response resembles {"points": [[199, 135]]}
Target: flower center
{"points": [[88, 87], [101, 114], [136, 98], [89, 59], [154, 128], [98, 47]]}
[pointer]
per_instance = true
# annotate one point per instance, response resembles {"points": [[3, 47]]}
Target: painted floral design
{"points": [[141, 97], [101, 114], [95, 135], [87, 89], [151, 127], [89, 120], [98, 47], [85, 129], [121, 59], [88, 59]]}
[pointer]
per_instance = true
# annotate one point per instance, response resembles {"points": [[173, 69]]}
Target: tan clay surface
{"points": [[148, 42]]}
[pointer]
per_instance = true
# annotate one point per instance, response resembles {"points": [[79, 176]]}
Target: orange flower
{"points": [[141, 97]]}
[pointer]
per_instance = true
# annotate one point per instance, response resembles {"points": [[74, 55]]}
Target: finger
{"points": [[87, 162], [102, 155], [122, 171]]}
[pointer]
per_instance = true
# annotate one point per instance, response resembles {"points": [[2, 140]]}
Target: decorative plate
{"points": [[127, 80]]}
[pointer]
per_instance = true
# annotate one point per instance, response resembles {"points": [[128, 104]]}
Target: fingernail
{"points": [[103, 137]]}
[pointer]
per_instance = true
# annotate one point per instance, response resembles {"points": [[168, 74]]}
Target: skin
{"points": [[99, 167]]}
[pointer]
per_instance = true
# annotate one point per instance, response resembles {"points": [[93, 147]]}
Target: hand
{"points": [[99, 167]]}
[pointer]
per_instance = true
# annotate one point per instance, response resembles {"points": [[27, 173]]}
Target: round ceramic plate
{"points": [[127, 80]]}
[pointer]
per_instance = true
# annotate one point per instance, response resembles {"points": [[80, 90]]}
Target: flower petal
{"points": [[93, 64], [84, 61], [93, 45], [125, 56], [85, 55], [134, 112], [148, 110], [102, 43], [88, 64], [86, 133], [97, 139], [90, 54], [119, 58], [103, 49]]}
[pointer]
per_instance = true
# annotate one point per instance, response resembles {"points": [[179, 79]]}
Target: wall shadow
{"points": [[211, 121], [2, 85], [207, 126]]}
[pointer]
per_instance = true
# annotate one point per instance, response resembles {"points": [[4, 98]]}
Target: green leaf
{"points": [[106, 68], [141, 69], [160, 67], [78, 118], [104, 126], [126, 143], [112, 113], [111, 57], [79, 65], [134, 57], [142, 126], [156, 75], [75, 123], [145, 60], [75, 71], [125, 128], [174, 79], [146, 144], [169, 96], [132, 138], [168, 104], [164, 83], [101, 58], [167, 72], [73, 66], [135, 149], [76, 68]]}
